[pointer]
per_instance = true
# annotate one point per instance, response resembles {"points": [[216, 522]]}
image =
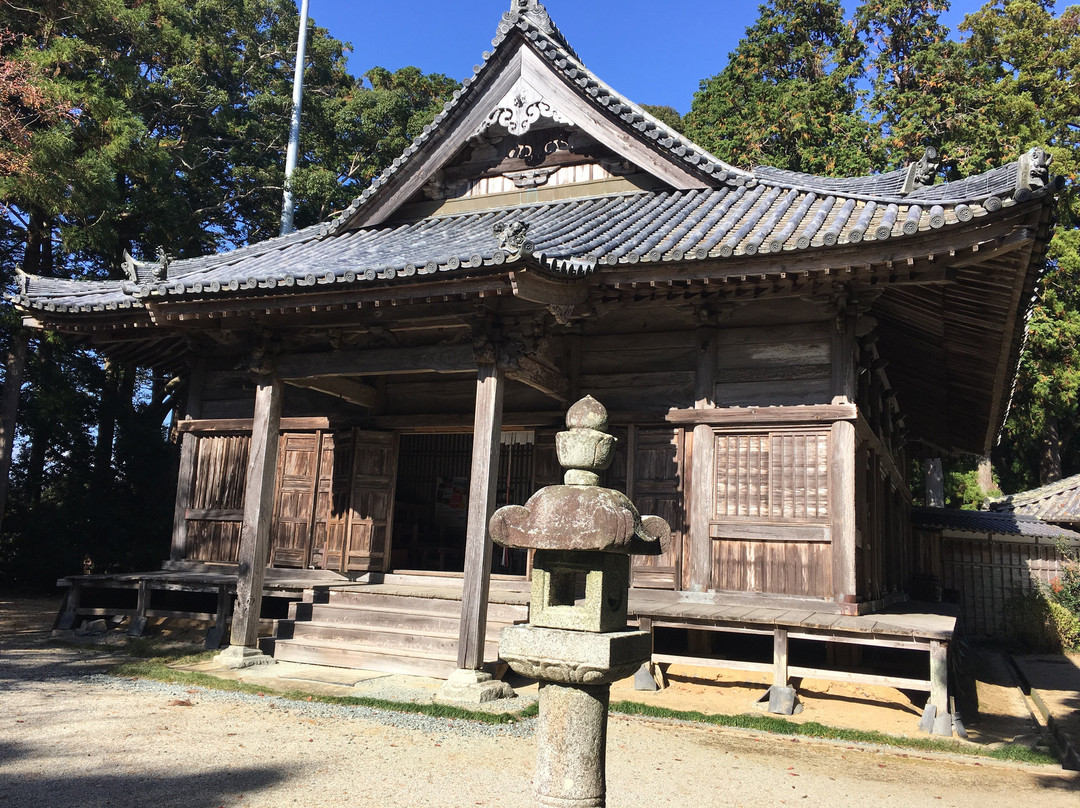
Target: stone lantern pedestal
{"points": [[577, 643]]}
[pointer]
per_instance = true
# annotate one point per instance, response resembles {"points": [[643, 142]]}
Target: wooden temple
{"points": [[365, 392]]}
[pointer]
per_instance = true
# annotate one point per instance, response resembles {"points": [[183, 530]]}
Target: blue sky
{"points": [[652, 51]]}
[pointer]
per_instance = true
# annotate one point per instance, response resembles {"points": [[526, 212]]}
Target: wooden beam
{"points": [[258, 513], [354, 392], [708, 348], [487, 432], [780, 658], [223, 426], [540, 377], [939, 675], [529, 284], [759, 416], [378, 362]]}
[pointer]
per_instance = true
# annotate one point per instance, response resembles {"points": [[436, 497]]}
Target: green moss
{"points": [[812, 729]]}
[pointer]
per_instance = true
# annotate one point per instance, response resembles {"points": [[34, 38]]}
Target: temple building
{"points": [[769, 345]]}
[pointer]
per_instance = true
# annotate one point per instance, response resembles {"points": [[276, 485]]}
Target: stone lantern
{"points": [[576, 644]]}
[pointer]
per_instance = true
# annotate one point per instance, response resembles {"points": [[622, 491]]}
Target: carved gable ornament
{"points": [[519, 109]]}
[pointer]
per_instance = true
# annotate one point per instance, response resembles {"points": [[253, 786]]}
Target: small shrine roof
{"points": [[1005, 524], [1056, 502]]}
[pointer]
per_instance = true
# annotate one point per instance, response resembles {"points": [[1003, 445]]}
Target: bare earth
{"points": [[66, 741]]}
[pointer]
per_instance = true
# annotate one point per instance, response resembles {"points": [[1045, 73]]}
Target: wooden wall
{"points": [[769, 520], [985, 573], [774, 365]]}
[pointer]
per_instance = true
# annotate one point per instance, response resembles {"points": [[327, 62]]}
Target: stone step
{"points": [[366, 658]]}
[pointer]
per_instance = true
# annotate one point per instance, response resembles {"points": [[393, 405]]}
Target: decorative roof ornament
{"points": [[519, 109], [535, 13], [1033, 170], [24, 280], [512, 237], [923, 173], [137, 271]]}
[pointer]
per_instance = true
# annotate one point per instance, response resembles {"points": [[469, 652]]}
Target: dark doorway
{"points": [[432, 500]]}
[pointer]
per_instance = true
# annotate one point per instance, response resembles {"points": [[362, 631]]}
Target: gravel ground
{"points": [[70, 735]]}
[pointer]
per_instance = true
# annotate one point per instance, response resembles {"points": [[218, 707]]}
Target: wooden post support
{"points": [[487, 432], [138, 620], [69, 611], [185, 481], [221, 619], [939, 676], [780, 657], [255, 531], [701, 499]]}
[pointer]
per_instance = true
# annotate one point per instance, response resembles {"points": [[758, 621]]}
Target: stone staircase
{"points": [[403, 624]]}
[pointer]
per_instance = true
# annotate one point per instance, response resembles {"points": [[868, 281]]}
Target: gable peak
{"points": [[535, 13]]}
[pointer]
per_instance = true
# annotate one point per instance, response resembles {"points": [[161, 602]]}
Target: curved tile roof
{"points": [[1006, 524], [1056, 502], [532, 22], [571, 237]]}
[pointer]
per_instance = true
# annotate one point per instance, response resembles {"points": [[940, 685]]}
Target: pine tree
{"points": [[788, 96]]}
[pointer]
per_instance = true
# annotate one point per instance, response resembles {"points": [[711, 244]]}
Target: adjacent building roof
{"points": [[1001, 524], [1057, 502]]}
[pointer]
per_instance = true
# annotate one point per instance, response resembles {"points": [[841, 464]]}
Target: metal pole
{"points": [[288, 204]]}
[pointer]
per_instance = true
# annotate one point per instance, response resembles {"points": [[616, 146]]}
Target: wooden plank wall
{"points": [[985, 574], [774, 366], [769, 518], [643, 371]]}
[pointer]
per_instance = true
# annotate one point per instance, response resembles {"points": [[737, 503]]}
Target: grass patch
{"points": [[160, 669], [812, 729]]}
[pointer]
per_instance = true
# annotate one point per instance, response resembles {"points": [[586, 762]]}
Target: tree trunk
{"points": [[14, 371], [1050, 458], [38, 256], [106, 431]]}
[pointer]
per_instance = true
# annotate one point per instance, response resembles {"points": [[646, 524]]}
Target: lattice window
{"points": [[775, 476]]}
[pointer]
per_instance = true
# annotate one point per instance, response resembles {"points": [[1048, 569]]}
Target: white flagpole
{"points": [[288, 204]]}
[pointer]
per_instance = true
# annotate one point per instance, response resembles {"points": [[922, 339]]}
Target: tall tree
{"points": [[907, 47], [788, 96]]}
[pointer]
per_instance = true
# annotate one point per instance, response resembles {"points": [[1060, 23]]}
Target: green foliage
{"points": [[788, 96], [129, 125]]}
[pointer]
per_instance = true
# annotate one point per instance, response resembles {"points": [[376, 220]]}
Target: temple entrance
{"points": [[432, 500]]}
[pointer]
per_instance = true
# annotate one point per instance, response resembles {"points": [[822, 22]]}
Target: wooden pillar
{"points": [[185, 481], [258, 514], [842, 487], [842, 467], [487, 431], [935, 483], [701, 499]]}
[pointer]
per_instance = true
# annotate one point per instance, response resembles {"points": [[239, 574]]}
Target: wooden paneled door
{"points": [[371, 501], [654, 471], [299, 463]]}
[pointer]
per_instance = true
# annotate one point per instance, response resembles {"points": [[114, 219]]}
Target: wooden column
{"points": [[258, 513], [185, 482], [487, 431], [701, 500], [780, 657], [842, 488]]}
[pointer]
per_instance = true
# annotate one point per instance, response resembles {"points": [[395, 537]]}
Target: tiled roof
{"points": [[570, 237], [1006, 524], [1056, 502]]}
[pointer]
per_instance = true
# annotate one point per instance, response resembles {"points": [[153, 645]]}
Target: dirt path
{"points": [[68, 740]]}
